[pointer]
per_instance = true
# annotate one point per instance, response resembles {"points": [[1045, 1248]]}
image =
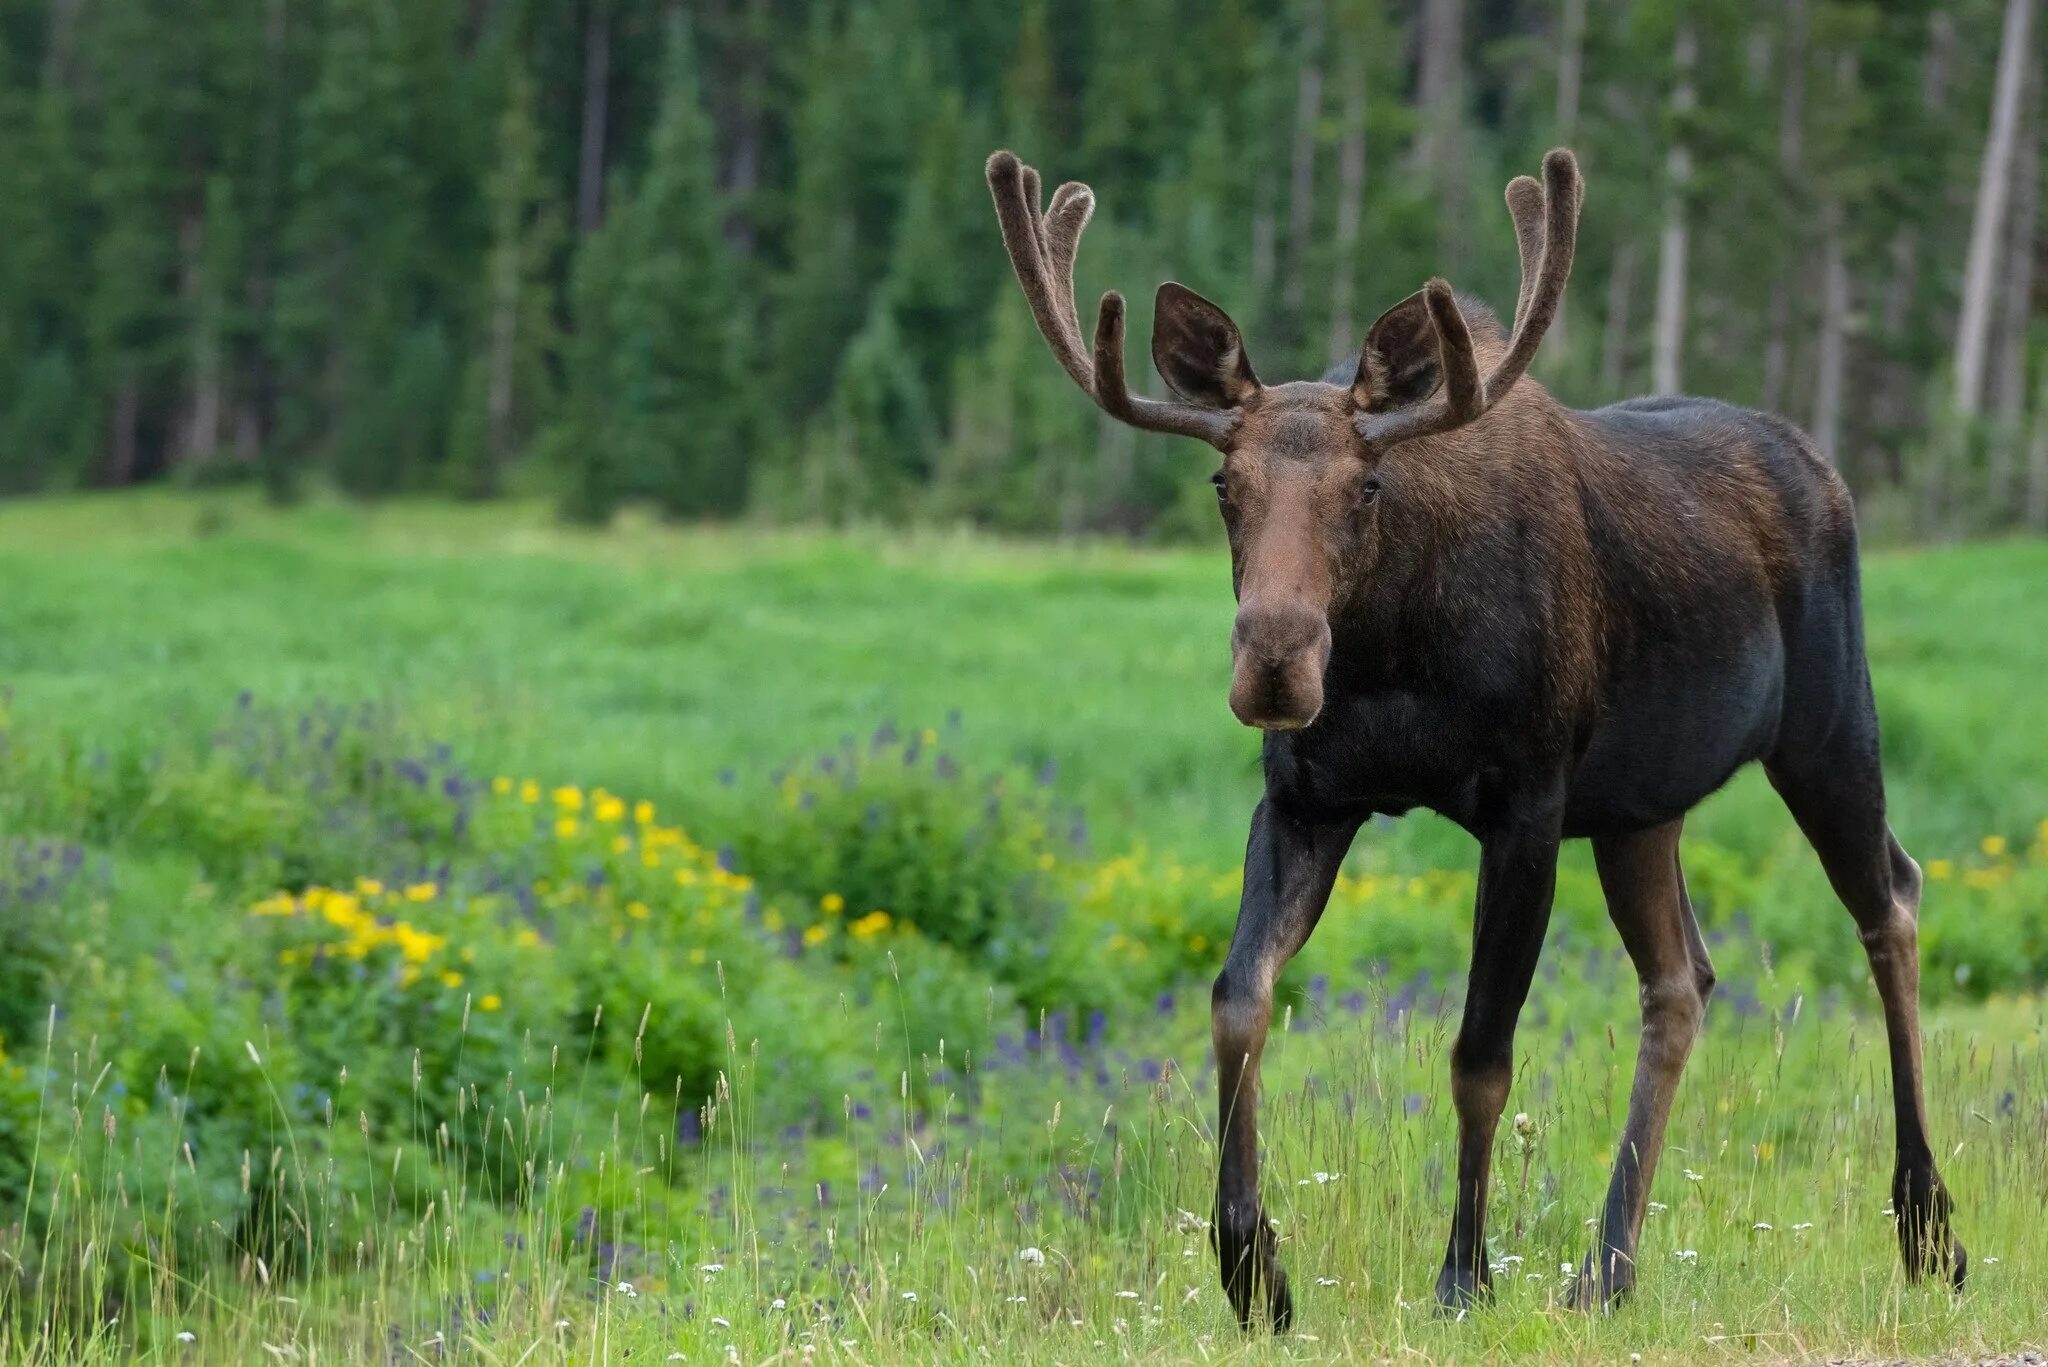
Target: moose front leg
{"points": [[1289, 868], [1517, 874]]}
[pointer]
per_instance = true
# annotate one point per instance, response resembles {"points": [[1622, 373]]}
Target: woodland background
{"points": [[736, 256]]}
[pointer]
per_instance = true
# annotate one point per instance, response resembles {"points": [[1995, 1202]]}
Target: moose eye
{"points": [[1368, 492], [1222, 487]]}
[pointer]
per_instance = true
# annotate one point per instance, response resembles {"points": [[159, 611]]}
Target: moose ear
{"points": [[1198, 350], [1398, 365]]}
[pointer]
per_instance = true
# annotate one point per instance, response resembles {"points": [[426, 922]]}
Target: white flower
{"points": [[910, 1295], [1692, 1176], [1016, 1300], [1511, 1258], [1190, 1223], [1326, 1281], [1323, 1178], [561, 1324], [1760, 1227], [626, 1289], [778, 1304], [1802, 1225], [1127, 1295], [712, 1268], [1033, 1256], [1686, 1255], [1658, 1207], [1565, 1268], [1988, 1260], [187, 1336], [721, 1321]]}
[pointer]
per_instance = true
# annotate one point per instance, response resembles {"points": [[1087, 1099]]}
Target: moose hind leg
{"points": [[1839, 805], [1646, 899]]}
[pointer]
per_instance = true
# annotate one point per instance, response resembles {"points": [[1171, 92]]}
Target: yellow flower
{"points": [[567, 827], [1940, 870], [415, 944], [1993, 845], [451, 979], [490, 1001], [281, 904], [638, 911], [929, 736], [529, 792], [421, 892], [870, 925], [816, 935], [643, 813], [697, 956], [527, 938], [609, 808], [569, 798], [1765, 1150], [621, 843], [832, 904], [369, 887], [686, 877], [501, 785]]}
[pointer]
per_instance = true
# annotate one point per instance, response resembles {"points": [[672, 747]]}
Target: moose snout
{"points": [[1277, 662]]}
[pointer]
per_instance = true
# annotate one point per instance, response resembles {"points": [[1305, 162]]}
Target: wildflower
{"points": [[712, 1268], [1016, 1300], [567, 827], [1991, 1259], [910, 1295], [529, 792], [1802, 1226], [778, 1304], [1686, 1255], [281, 904], [369, 887], [1692, 1176], [1766, 1150], [643, 813], [721, 1321], [527, 938], [638, 911], [569, 798], [1033, 1256], [490, 1001], [815, 936], [1940, 870], [1992, 845], [832, 904], [626, 1289], [451, 979], [422, 892], [501, 785], [1127, 1295], [609, 809], [1760, 1227], [187, 1336], [870, 925], [1326, 1281]]}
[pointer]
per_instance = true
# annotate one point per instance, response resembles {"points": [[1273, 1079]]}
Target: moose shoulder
{"points": [[1455, 593]]}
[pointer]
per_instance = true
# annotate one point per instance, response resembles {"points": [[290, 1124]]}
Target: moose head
{"points": [[1305, 497]]}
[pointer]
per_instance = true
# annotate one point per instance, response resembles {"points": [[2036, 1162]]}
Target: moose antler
{"points": [[1042, 248], [1546, 232]]}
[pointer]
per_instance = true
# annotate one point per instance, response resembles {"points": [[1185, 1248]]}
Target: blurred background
{"points": [[735, 257]]}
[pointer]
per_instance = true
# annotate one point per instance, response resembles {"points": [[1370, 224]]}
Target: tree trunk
{"points": [[1987, 225], [122, 440], [1263, 248], [1791, 151], [1439, 60], [1571, 67], [1308, 108], [1621, 284], [597, 75], [1667, 350], [200, 439], [2037, 462], [1350, 203], [1831, 353], [2016, 298]]}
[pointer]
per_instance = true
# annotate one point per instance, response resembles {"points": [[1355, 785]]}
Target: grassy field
{"points": [[433, 934]]}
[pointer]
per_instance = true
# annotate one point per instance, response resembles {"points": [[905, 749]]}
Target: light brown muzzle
{"points": [[1278, 656]]}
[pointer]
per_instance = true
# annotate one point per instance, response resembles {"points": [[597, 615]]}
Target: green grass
{"points": [[478, 1183]]}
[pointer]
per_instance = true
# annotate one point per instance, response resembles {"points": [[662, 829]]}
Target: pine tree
{"points": [[659, 408]]}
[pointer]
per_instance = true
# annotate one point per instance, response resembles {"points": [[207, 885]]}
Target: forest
{"points": [[735, 258]]}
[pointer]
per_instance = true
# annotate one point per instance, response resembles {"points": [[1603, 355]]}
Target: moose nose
{"points": [[1277, 662]]}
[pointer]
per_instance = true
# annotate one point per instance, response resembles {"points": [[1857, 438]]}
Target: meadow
{"points": [[428, 933]]}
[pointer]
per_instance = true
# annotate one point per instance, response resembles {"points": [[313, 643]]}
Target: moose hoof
{"points": [[1927, 1245], [1462, 1289], [1251, 1271], [1584, 1292]]}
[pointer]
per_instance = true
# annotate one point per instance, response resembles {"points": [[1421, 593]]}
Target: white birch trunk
{"points": [[1987, 224], [1667, 348]]}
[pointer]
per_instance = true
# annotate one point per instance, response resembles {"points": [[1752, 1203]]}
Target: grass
{"points": [[525, 1185]]}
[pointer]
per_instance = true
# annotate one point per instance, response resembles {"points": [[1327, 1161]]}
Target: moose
{"points": [[1544, 624]]}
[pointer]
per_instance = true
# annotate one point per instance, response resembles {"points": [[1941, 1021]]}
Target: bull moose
{"points": [[1543, 623]]}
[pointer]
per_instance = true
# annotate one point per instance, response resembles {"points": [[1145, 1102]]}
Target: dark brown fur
{"points": [[1455, 593]]}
